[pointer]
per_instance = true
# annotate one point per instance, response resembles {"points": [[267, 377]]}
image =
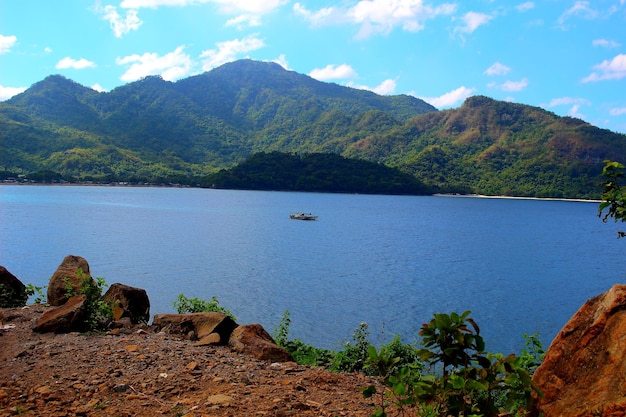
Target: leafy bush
{"points": [[11, 298], [462, 379], [185, 305], [302, 353], [613, 194], [352, 358], [99, 312], [40, 297]]}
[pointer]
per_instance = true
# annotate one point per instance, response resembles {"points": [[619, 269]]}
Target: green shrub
{"points": [[462, 379], [185, 305], [11, 298], [354, 355], [40, 297], [98, 312], [302, 353]]}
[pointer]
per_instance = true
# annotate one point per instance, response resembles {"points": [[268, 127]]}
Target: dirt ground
{"points": [[139, 372]]}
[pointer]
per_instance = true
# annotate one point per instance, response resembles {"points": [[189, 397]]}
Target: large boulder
{"points": [[253, 339], [12, 290], [196, 325], [583, 371], [70, 317], [70, 278], [127, 301]]}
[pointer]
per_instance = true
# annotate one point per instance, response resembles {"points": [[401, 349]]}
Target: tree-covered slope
{"points": [[498, 148], [153, 130], [315, 172], [192, 127]]}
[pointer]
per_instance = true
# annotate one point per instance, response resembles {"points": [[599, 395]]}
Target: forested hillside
{"points": [[315, 172], [162, 132]]}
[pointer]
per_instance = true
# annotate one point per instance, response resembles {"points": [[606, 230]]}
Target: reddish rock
{"points": [[195, 325], [583, 371], [208, 340], [67, 318], [12, 290], [127, 301], [72, 273], [255, 340]]}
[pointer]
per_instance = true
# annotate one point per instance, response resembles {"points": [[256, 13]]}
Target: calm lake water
{"points": [[520, 266]]}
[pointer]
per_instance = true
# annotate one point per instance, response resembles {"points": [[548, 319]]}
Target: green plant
{"points": [[185, 305], [462, 379], [39, 296], [613, 194], [303, 354], [98, 312], [12, 298], [281, 332], [399, 375], [352, 358]]}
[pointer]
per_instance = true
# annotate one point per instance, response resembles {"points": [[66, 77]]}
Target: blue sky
{"points": [[566, 56]]}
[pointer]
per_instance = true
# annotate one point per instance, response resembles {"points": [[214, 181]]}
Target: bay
{"points": [[521, 266]]}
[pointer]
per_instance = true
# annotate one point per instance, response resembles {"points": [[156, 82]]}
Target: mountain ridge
{"points": [[156, 130]]}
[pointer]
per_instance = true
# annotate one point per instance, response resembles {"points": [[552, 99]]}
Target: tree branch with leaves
{"points": [[613, 203]]}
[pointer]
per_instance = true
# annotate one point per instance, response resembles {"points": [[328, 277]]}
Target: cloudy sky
{"points": [[567, 56]]}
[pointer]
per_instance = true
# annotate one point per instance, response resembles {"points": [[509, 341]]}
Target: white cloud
{"points": [[472, 21], [333, 72], [228, 51], [451, 98], [120, 25], [72, 63], [580, 8], [524, 7], [565, 101], [325, 16], [282, 61], [8, 92], [617, 111], [98, 88], [243, 21], [171, 66], [249, 6], [6, 43], [227, 6], [377, 16], [153, 4], [615, 69], [574, 111], [605, 43], [387, 87], [514, 85], [497, 69], [575, 102]]}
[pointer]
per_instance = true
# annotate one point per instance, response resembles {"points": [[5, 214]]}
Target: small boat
{"points": [[302, 216]]}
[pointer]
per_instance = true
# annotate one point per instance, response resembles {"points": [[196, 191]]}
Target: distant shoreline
{"points": [[577, 200], [122, 184]]}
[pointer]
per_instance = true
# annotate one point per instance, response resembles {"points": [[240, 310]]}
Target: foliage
{"points": [[314, 172], [463, 380], [185, 305], [613, 194], [354, 355], [303, 354], [40, 297], [11, 298], [98, 312], [154, 131]]}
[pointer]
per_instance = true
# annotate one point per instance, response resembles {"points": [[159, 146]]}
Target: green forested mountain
{"points": [[158, 131], [315, 172]]}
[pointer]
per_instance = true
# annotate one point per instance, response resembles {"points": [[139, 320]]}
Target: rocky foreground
{"points": [[141, 372]]}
